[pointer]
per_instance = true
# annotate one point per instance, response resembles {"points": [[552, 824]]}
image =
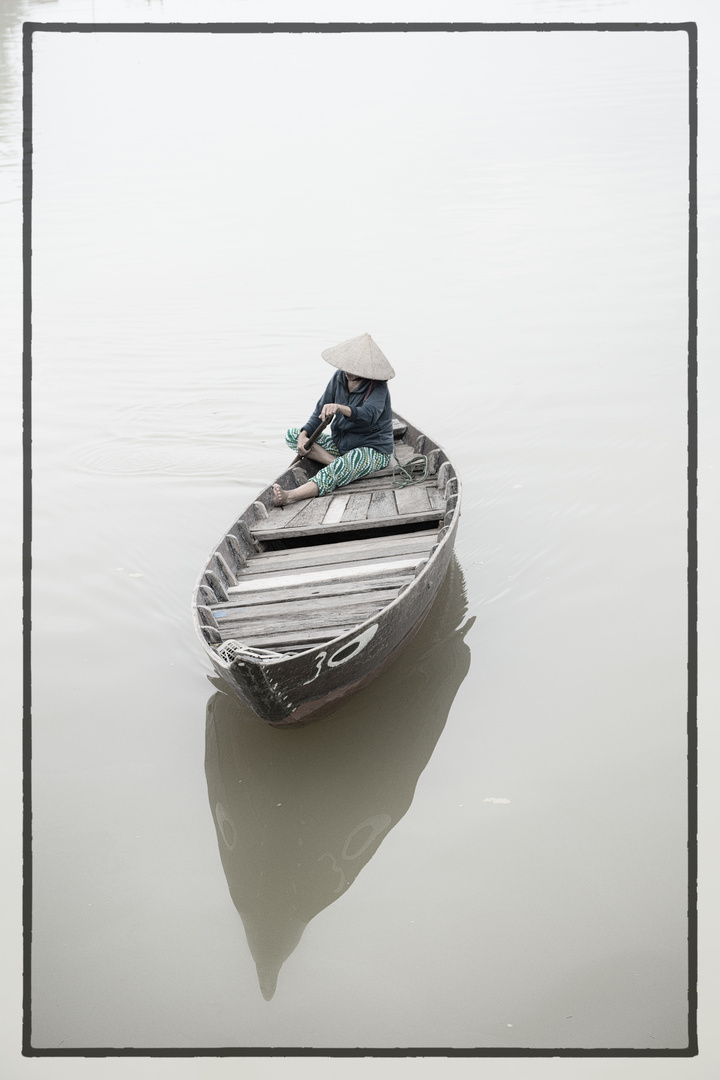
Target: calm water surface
{"points": [[486, 847]]}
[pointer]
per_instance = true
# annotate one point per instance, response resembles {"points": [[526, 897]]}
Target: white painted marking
{"points": [[356, 645], [320, 659], [497, 800]]}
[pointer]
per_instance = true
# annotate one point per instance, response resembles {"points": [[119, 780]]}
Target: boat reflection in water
{"points": [[299, 812]]}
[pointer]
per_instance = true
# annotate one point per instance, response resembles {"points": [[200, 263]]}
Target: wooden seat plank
{"points": [[303, 512], [320, 591], [336, 510], [382, 505], [290, 650], [412, 500], [370, 544], [381, 482], [305, 639], [277, 624], [326, 554], [357, 507], [352, 573], [285, 513], [290, 607], [404, 452], [327, 571], [288, 635], [287, 638], [314, 511], [437, 499], [269, 533]]}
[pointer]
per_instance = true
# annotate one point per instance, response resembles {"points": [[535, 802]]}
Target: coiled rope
{"points": [[413, 471]]}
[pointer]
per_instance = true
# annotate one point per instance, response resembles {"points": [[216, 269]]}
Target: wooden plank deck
{"points": [[412, 500], [295, 640], [383, 506], [349, 511], [299, 596], [291, 606], [358, 572], [342, 551], [270, 532], [374, 500], [273, 623], [319, 592]]}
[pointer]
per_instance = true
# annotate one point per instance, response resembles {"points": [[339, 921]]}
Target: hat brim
{"points": [[360, 356]]}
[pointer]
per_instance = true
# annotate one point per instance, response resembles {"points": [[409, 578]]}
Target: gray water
{"points": [[487, 846]]}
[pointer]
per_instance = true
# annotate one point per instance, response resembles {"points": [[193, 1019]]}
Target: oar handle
{"points": [[318, 431]]}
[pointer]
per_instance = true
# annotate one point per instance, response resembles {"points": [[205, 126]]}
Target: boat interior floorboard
{"points": [[291, 606], [357, 575], [296, 641], [315, 590], [341, 553]]}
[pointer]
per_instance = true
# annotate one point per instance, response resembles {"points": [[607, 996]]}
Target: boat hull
{"points": [[297, 688], [308, 687]]}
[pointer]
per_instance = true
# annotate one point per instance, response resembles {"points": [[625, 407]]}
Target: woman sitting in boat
{"points": [[359, 440]]}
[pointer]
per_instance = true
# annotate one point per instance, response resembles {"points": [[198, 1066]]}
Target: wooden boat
{"points": [[300, 606]]}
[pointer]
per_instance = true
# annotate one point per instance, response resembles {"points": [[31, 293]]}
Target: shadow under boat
{"points": [[299, 812]]}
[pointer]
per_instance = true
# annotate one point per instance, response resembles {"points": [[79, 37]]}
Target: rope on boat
{"points": [[235, 650], [413, 471]]}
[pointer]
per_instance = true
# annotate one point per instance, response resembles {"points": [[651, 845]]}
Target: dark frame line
{"points": [[348, 27], [692, 412], [31, 28], [27, 866]]}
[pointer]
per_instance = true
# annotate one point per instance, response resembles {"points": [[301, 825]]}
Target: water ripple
{"points": [[121, 457]]}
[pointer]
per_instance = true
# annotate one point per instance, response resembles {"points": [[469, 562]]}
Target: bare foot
{"points": [[281, 496]]}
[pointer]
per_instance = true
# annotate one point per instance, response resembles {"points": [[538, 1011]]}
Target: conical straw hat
{"points": [[359, 356]]}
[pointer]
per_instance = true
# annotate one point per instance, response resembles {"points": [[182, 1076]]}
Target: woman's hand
{"points": [[301, 443], [331, 408]]}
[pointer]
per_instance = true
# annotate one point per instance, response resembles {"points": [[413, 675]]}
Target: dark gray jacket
{"points": [[371, 420]]}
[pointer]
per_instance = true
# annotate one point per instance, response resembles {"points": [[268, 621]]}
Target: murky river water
{"points": [[487, 846]]}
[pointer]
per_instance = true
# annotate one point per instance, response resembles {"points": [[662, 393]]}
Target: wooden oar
{"points": [[318, 430]]}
